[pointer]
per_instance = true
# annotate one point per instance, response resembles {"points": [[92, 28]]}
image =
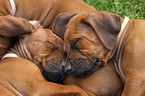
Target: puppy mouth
{"points": [[85, 71], [54, 74]]}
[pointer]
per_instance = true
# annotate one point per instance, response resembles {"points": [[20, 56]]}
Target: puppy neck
{"points": [[21, 50]]}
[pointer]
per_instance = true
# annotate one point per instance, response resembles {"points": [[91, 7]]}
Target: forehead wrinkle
{"points": [[79, 35]]}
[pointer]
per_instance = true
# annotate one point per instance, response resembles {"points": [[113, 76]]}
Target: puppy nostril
{"points": [[63, 64], [68, 69]]}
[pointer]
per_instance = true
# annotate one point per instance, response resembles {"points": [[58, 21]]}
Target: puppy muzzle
{"points": [[81, 69]]}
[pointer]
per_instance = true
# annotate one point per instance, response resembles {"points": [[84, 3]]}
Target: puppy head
{"points": [[89, 40], [46, 50]]}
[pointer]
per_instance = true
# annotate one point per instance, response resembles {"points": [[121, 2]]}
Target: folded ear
{"points": [[59, 25], [106, 25]]}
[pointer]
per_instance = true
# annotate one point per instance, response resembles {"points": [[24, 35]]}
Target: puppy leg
{"points": [[53, 89], [135, 83], [13, 27]]}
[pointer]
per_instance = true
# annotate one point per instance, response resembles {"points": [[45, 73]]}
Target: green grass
{"points": [[131, 8]]}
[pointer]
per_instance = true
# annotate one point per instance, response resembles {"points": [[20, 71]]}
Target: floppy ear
{"points": [[106, 25], [59, 25]]}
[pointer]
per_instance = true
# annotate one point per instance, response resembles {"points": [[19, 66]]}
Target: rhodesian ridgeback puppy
{"points": [[14, 15], [45, 49], [100, 82], [20, 76], [103, 82], [92, 39]]}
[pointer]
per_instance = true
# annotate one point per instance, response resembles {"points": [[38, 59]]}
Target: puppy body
{"points": [[21, 77], [101, 36], [81, 44], [133, 64], [44, 11]]}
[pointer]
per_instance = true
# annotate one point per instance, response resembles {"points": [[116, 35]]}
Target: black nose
{"points": [[68, 69]]}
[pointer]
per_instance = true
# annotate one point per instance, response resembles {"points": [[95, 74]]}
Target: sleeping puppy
{"points": [[80, 44], [103, 82], [45, 49], [92, 39]]}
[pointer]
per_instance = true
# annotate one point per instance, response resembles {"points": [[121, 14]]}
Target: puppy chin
{"points": [[87, 69], [54, 76], [53, 73], [86, 73]]}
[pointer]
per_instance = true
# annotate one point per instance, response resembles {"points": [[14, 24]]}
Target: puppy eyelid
{"points": [[75, 41], [72, 44], [51, 43]]}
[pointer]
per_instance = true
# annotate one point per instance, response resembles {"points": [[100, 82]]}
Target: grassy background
{"points": [[131, 8]]}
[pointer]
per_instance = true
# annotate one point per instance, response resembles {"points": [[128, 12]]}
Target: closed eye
{"points": [[52, 44], [73, 44]]}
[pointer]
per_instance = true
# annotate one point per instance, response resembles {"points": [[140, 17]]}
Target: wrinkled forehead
{"points": [[42, 35], [79, 30]]}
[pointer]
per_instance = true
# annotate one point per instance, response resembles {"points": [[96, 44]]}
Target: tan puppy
{"points": [[21, 77], [44, 11], [103, 82], [91, 39], [45, 49], [99, 83]]}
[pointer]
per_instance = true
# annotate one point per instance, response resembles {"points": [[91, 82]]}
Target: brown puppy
{"points": [[82, 58], [45, 49], [21, 77], [99, 83], [103, 82], [92, 39], [44, 11]]}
